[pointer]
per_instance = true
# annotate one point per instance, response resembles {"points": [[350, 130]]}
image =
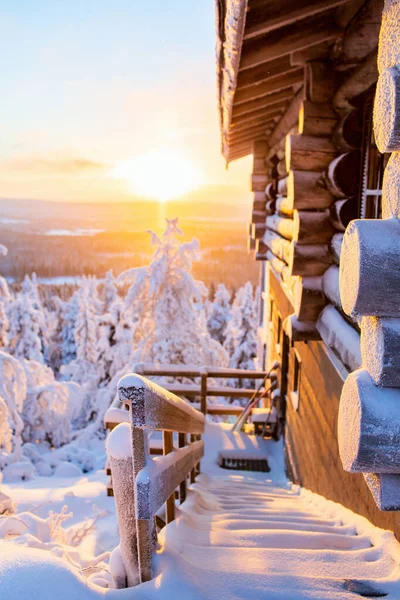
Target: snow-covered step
{"points": [[257, 538], [368, 563]]}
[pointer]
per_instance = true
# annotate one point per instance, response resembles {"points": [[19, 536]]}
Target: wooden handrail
{"points": [[157, 482], [195, 371], [153, 481], [154, 407]]}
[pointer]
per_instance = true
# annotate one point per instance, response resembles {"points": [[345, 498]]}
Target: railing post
{"points": [[167, 448], [124, 494], [203, 390], [182, 487]]}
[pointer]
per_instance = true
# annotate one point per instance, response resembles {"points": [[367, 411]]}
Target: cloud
{"points": [[56, 166]]}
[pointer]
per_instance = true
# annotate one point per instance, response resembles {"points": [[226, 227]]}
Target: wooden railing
{"points": [[202, 390], [143, 484]]}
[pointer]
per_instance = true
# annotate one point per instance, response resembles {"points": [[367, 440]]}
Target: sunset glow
{"points": [[161, 175]]}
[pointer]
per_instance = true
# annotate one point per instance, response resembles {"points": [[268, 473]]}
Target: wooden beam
{"points": [[359, 81], [307, 190], [287, 122], [287, 40], [309, 299], [274, 84], [249, 135], [274, 111], [310, 260], [262, 72], [362, 33], [296, 11], [263, 120], [312, 227], [308, 153], [317, 119], [268, 101]]}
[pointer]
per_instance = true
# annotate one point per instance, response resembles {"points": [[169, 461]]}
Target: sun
{"points": [[162, 175]]}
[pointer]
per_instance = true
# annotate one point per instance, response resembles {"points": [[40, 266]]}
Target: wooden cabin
{"points": [[311, 89]]}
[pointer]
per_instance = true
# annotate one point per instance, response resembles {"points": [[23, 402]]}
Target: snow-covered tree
{"points": [[69, 316], [219, 314], [109, 292], [13, 388], [241, 332], [164, 299], [25, 326], [83, 368], [5, 298]]}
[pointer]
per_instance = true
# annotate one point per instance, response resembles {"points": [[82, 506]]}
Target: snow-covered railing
{"points": [[143, 484]]}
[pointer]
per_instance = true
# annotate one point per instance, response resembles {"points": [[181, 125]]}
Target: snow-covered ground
{"points": [[238, 535]]}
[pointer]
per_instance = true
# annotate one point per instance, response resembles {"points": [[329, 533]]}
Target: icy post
{"points": [[119, 450]]}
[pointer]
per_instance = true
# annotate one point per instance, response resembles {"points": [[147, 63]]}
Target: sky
{"points": [[111, 100]]}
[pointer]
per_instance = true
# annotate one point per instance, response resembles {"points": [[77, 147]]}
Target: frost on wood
{"points": [[369, 426], [162, 475], [389, 36], [370, 269], [391, 188], [385, 489], [380, 348], [119, 449], [153, 407], [340, 336], [229, 44], [387, 111]]}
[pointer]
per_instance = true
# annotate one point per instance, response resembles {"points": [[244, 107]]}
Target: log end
{"points": [[349, 275], [349, 424], [391, 188], [387, 111], [385, 489]]}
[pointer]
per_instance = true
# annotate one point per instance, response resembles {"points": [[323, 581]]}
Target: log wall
{"points": [[311, 430], [369, 285]]}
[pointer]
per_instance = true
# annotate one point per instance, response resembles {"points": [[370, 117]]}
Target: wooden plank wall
{"points": [[312, 430]]}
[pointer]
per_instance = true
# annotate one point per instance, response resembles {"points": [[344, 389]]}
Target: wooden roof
{"points": [[262, 47]]}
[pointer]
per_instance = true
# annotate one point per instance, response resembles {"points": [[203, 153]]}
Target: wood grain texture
{"points": [[308, 153], [309, 260], [307, 190], [317, 119], [312, 227], [281, 225]]}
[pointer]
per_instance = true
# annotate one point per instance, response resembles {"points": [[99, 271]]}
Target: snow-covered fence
{"points": [[143, 484]]}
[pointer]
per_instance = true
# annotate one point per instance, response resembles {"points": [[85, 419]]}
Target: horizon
{"points": [[91, 117]]}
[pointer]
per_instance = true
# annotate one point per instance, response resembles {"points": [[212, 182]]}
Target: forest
{"points": [[61, 358]]}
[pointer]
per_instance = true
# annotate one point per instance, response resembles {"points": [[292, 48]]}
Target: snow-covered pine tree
{"points": [[109, 292], [164, 299], [25, 326], [5, 298], [84, 367], [69, 316], [219, 314], [241, 333]]}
